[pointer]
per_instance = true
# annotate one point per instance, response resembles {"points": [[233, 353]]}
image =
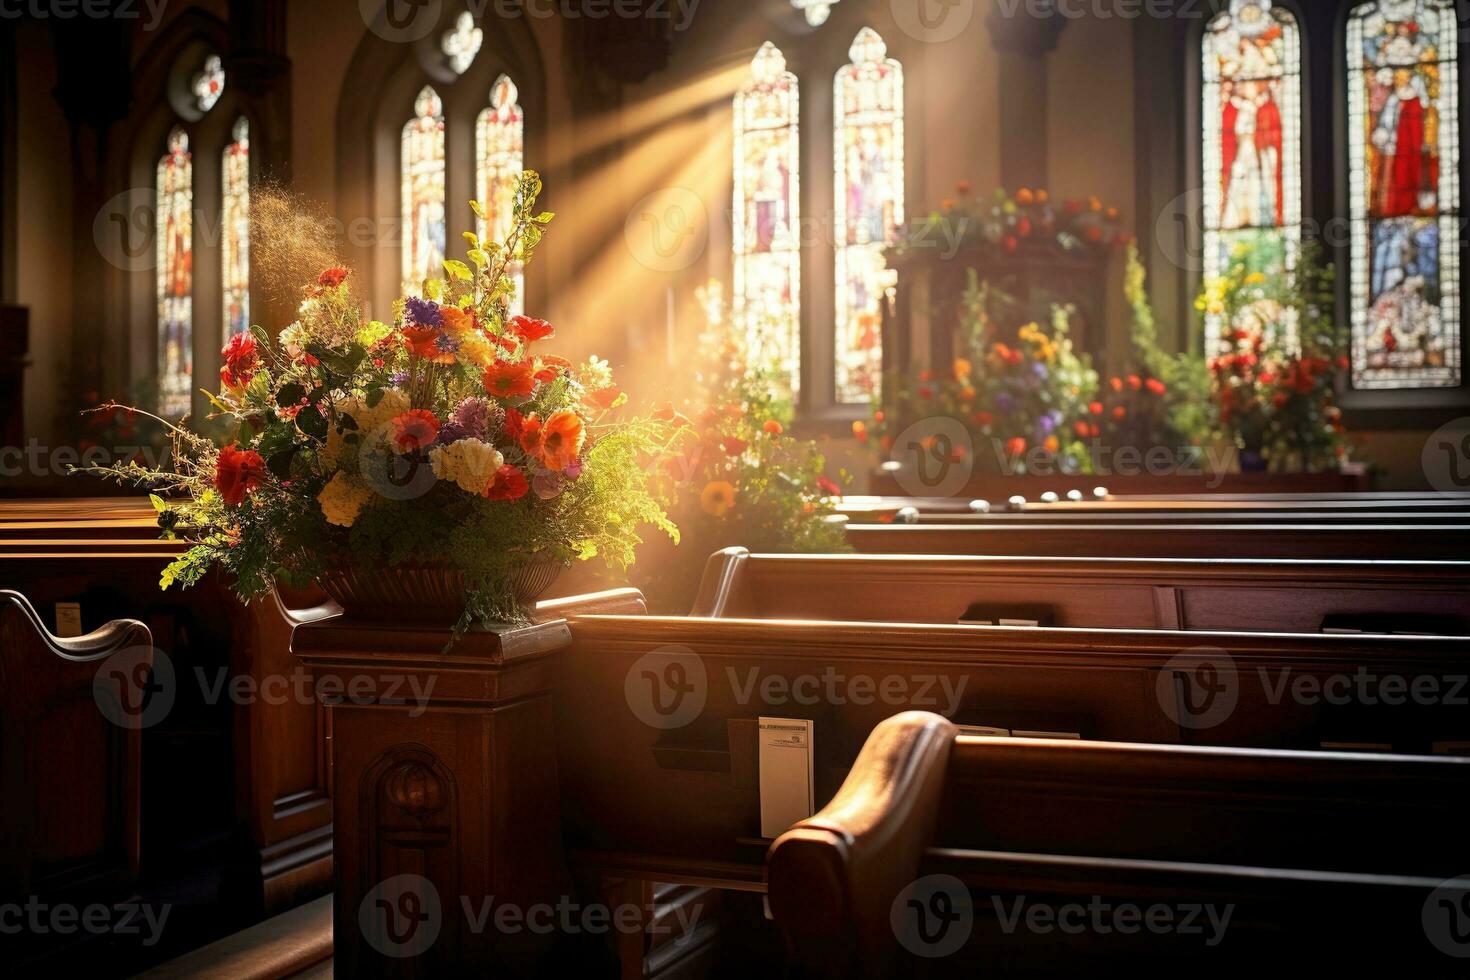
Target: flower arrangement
{"points": [[1276, 363], [1016, 389], [448, 438], [736, 474], [1023, 223]]}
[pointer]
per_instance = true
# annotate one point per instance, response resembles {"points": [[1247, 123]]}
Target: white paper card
{"points": [[786, 773], [68, 619]]}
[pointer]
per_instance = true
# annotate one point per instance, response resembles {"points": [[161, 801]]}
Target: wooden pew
{"points": [[70, 768], [105, 554], [673, 796], [1319, 859], [1194, 540], [1285, 595]]}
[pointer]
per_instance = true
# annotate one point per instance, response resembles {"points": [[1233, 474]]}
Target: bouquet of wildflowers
{"points": [[448, 437]]}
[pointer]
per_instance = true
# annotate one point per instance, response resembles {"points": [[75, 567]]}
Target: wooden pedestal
{"points": [[445, 784]]}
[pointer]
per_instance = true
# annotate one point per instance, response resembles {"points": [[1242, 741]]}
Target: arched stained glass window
{"points": [[1252, 118], [500, 157], [175, 276], [869, 191], [235, 222], [767, 215], [422, 174], [1404, 183]]}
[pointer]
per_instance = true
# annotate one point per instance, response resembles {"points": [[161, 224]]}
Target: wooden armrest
{"points": [[833, 878], [613, 602], [99, 644]]}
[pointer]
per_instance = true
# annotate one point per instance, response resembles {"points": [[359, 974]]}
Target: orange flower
{"points": [[860, 431], [414, 429], [509, 380], [733, 446], [772, 428], [425, 342], [1025, 197], [718, 497], [554, 443], [962, 368], [529, 328], [333, 277], [1016, 446], [604, 398]]}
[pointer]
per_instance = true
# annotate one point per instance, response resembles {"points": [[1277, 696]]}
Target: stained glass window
{"points": [[422, 174], [462, 43], [816, 11], [175, 276], [209, 83], [1404, 154], [767, 215], [1252, 139], [235, 246], [501, 156], [868, 150]]}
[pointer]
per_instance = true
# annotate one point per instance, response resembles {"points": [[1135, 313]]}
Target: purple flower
{"points": [[469, 420], [1039, 369], [573, 470], [400, 379], [423, 312], [1045, 425], [546, 484], [1004, 402]]}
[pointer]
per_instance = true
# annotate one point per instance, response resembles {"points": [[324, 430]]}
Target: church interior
{"points": [[686, 489]]}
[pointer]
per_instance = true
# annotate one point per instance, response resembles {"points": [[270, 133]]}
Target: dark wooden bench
{"points": [[939, 850], [1284, 595]]}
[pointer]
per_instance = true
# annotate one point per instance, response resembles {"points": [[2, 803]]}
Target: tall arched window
{"points": [[500, 154], [767, 214], [422, 175], [1252, 117], [175, 276], [869, 189], [1404, 184], [235, 224]]}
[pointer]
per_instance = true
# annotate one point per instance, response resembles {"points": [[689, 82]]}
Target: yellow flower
{"points": [[718, 497], [962, 368], [1255, 278], [343, 499]]}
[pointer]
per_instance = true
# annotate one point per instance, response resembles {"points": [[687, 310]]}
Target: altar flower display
{"points": [[445, 443], [1027, 222], [1277, 353]]}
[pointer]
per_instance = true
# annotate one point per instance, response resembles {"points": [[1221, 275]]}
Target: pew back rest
{"points": [[1306, 810], [1118, 593], [70, 771], [1343, 540]]}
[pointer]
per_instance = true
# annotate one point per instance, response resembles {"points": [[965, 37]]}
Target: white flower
{"points": [[470, 463]]}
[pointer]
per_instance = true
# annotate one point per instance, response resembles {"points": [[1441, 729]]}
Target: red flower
{"points": [[664, 413], [514, 425], [333, 277], [1096, 408], [241, 361], [828, 487], [772, 428], [1120, 413], [237, 473], [1116, 384], [508, 380], [1135, 382], [603, 398], [983, 418], [1155, 385], [529, 328], [414, 429], [1016, 446], [1082, 430], [509, 484], [733, 446]]}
